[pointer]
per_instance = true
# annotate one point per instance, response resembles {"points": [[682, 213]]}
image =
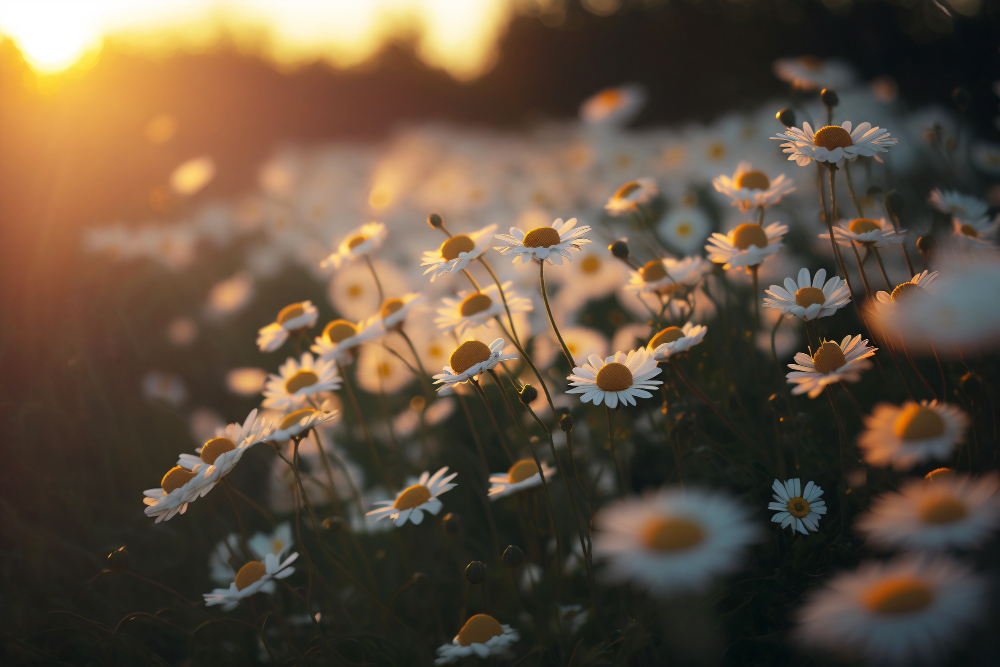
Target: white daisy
{"points": [[392, 313], [456, 253], [947, 511], [618, 378], [922, 280], [522, 475], [907, 611], [420, 496], [752, 188], [297, 379], [796, 507], [809, 299], [593, 274], [300, 421], [342, 336], [835, 143], [866, 231], [278, 542], [361, 241], [293, 317], [631, 197], [668, 276], [613, 106], [673, 541], [546, 244], [674, 340], [475, 309], [482, 636], [747, 245], [958, 205], [830, 364], [979, 233], [254, 577], [903, 436], [379, 371], [178, 487], [812, 73], [685, 228], [469, 360], [986, 156]]}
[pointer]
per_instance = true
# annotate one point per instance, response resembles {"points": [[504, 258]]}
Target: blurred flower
{"points": [[594, 275], [835, 143], [293, 318], [809, 299], [685, 228], [340, 337], [358, 242], [752, 188], [812, 73], [474, 309], [394, 310], [300, 421], [903, 436], [254, 577], [618, 378], [614, 106], [456, 253], [958, 205], [166, 387], [747, 245], [979, 233], [632, 196], [380, 371], [832, 363], [482, 636], [546, 244], [297, 379], [248, 381], [902, 291], [667, 276], [674, 340], [986, 156], [522, 475], [469, 360], [229, 295], [191, 176], [182, 331], [797, 508], [278, 542], [581, 341], [420, 496], [865, 231]]}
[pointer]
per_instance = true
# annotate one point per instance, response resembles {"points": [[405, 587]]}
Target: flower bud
{"points": [[512, 556], [926, 243], [874, 191], [566, 422], [118, 559], [971, 385], [528, 394], [452, 523], [420, 578], [786, 117], [475, 572], [333, 523], [829, 97], [619, 249], [435, 221]]}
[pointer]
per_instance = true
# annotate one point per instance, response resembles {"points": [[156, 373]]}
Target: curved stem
{"points": [[378, 283], [881, 267], [552, 321], [531, 364], [493, 418]]}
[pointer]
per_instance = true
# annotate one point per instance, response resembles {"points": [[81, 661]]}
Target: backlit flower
{"points": [[298, 379], [619, 378], [469, 360], [866, 231], [752, 188], [668, 276], [457, 251], [747, 245], [360, 241], [292, 318], [341, 336], [672, 341], [522, 475], [482, 636], [830, 364], [903, 436], [835, 143], [254, 577], [420, 496], [613, 106], [809, 299], [546, 244], [476, 308]]}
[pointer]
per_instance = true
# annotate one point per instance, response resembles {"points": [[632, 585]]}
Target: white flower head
{"points": [[977, 233], [797, 507], [298, 379], [866, 231], [476, 308], [254, 577], [751, 188], [456, 252], [903, 436], [685, 228], [668, 276], [631, 197], [747, 245], [420, 496], [482, 636], [550, 243], [392, 313], [613, 106], [959, 205], [671, 341], [835, 143], [341, 336], [469, 360], [832, 363], [293, 317], [361, 241], [809, 299], [522, 475], [620, 378], [902, 291], [300, 421]]}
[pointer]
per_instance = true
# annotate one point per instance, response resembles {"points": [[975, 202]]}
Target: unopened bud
{"points": [[528, 394], [452, 523], [435, 221], [475, 572], [619, 249], [829, 97], [566, 422], [926, 243], [786, 117], [333, 523], [118, 559], [512, 556]]}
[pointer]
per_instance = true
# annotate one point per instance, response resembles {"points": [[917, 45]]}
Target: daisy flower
{"points": [[976, 233], [674, 340], [254, 577], [797, 508], [673, 541], [293, 317], [752, 188], [668, 276], [300, 421], [379, 371], [958, 205], [903, 436], [522, 475], [341, 336], [618, 378], [986, 156], [545, 244], [947, 511], [469, 360], [830, 364], [613, 106], [835, 143], [812, 73], [631, 197], [420, 496], [475, 309], [361, 241], [456, 252], [277, 542], [907, 611], [685, 228], [747, 245], [392, 313], [866, 231], [809, 299], [594, 274], [297, 379], [482, 636], [922, 281], [178, 488]]}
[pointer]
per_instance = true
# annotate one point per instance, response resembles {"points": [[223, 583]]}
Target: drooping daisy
{"points": [[752, 188], [978, 233], [900, 293], [300, 421], [684, 228], [482, 636], [944, 512], [907, 611], [178, 488], [831, 363], [959, 205], [631, 197], [420, 496], [613, 106], [796, 507], [456, 253], [835, 143], [668, 276], [297, 379], [619, 378], [475, 309], [522, 475], [903, 436], [546, 244], [361, 241], [747, 245], [392, 313], [674, 340], [673, 541], [278, 542], [469, 360], [292, 318], [342, 336], [254, 577], [809, 299], [866, 231]]}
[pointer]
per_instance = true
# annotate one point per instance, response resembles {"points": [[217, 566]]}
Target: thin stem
{"points": [[552, 321], [378, 283], [475, 283], [493, 418], [693, 388], [850, 190], [531, 364], [756, 297], [364, 427], [616, 455], [263, 512], [895, 225], [881, 267]]}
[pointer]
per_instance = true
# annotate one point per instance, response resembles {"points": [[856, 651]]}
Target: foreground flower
{"points": [[751, 188], [522, 475], [835, 143], [904, 290], [297, 380], [631, 197], [668, 276], [475, 309], [674, 340], [482, 636], [254, 577], [958, 205], [673, 541], [619, 378], [613, 106], [419, 497], [546, 244], [292, 318], [457, 251], [361, 241], [907, 611], [866, 231], [469, 360], [809, 299], [903, 436], [832, 363], [747, 245], [946, 512], [797, 508], [341, 336]]}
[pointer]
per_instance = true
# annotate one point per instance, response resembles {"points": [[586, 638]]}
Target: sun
{"points": [[50, 39]]}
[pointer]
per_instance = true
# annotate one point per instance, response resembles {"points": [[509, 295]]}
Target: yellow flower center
{"points": [[249, 573], [748, 234], [683, 229], [807, 296], [541, 237], [969, 230], [614, 377], [289, 420], [175, 478], [832, 136], [863, 226], [390, 306], [355, 290], [898, 595], [671, 534], [418, 402], [356, 240], [668, 335], [798, 507], [905, 291], [942, 509], [626, 189], [716, 151], [412, 496], [590, 264], [339, 330], [290, 311], [939, 474], [828, 358], [383, 370], [917, 422], [522, 470], [277, 546], [468, 354], [458, 243], [476, 302], [479, 629], [652, 271], [753, 180], [300, 380], [216, 447]]}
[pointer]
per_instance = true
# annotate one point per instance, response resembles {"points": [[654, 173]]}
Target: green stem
{"points": [[552, 320], [616, 456], [378, 283]]}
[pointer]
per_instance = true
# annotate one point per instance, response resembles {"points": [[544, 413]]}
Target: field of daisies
{"points": [[577, 395]]}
